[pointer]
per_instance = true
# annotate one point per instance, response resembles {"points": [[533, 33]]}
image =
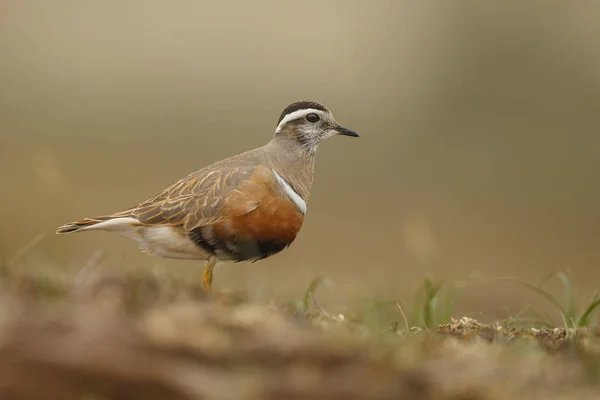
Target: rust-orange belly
{"points": [[264, 231], [258, 220]]}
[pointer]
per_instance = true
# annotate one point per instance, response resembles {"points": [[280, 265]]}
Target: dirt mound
{"points": [[135, 338]]}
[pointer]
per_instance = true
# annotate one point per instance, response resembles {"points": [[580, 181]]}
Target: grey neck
{"points": [[294, 162]]}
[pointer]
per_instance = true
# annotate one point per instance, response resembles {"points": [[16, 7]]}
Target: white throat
{"points": [[291, 193]]}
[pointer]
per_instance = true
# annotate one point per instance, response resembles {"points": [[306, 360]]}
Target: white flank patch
{"points": [[298, 114], [295, 197], [157, 240]]}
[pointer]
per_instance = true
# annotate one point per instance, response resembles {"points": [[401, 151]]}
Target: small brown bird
{"points": [[244, 208]]}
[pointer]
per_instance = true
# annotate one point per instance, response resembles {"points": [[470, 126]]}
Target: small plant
{"points": [[572, 315], [303, 305], [308, 297], [432, 307]]}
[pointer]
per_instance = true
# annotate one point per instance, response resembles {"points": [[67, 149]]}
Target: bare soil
{"points": [[144, 337]]}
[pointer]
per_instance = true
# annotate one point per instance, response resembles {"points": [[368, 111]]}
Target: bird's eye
{"points": [[312, 117]]}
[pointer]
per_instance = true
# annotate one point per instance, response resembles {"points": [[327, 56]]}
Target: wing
{"points": [[194, 201]]}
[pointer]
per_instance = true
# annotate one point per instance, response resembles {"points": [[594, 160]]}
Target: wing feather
{"points": [[194, 201]]}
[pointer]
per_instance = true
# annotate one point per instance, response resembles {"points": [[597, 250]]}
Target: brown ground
{"points": [[102, 336]]}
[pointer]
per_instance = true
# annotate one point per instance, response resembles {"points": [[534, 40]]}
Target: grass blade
{"points": [[569, 295], [584, 319], [312, 287], [552, 299]]}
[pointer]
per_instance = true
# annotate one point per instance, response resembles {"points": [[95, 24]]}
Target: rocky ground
{"points": [[141, 337]]}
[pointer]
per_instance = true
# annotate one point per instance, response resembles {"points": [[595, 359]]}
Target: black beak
{"points": [[345, 131]]}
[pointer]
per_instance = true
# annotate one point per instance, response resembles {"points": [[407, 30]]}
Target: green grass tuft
{"points": [[572, 316]]}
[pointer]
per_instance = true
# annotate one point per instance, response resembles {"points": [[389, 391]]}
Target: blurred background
{"points": [[478, 153]]}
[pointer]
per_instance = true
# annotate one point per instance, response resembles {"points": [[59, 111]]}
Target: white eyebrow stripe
{"points": [[298, 114], [291, 193]]}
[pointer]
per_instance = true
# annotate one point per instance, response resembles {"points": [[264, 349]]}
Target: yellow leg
{"points": [[207, 274]]}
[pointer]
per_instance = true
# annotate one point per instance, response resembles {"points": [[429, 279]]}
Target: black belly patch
{"points": [[202, 242], [236, 248]]}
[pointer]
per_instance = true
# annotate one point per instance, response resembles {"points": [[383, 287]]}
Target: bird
{"points": [[247, 207]]}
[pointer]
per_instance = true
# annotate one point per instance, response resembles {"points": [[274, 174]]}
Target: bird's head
{"points": [[309, 123]]}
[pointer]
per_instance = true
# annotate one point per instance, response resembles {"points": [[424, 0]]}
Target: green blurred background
{"points": [[479, 131]]}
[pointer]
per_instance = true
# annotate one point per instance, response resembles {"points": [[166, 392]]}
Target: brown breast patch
{"points": [[258, 220]]}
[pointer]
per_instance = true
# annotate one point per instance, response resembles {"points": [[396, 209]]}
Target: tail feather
{"points": [[80, 225]]}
